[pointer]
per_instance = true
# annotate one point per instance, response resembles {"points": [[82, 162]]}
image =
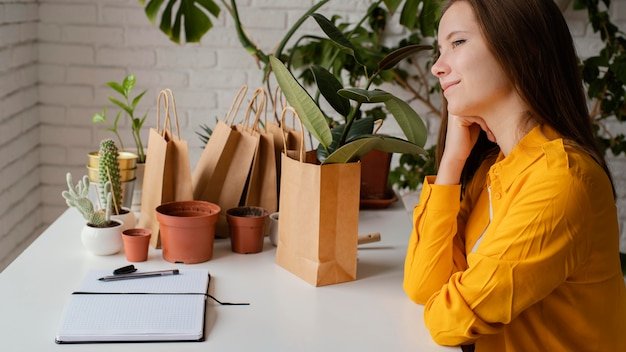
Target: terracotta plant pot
{"points": [[136, 242], [187, 230], [247, 227]]}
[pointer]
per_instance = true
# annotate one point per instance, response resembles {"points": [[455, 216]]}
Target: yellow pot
{"points": [[126, 160], [125, 174]]}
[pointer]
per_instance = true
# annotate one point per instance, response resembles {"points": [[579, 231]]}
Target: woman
{"points": [[515, 240]]}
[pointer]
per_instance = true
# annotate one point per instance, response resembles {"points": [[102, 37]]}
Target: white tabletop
{"points": [[286, 314]]}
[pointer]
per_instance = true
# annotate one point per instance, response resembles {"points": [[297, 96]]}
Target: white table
{"points": [[286, 314]]}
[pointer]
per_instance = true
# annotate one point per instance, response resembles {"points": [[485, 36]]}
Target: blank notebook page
{"points": [[166, 313]]}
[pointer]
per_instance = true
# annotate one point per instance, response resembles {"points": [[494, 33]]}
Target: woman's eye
{"points": [[457, 42]]}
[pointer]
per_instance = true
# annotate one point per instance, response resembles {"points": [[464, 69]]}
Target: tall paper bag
{"points": [[167, 175], [318, 222]]}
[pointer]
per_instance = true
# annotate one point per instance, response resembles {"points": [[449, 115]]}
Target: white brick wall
{"points": [[20, 211], [56, 55]]}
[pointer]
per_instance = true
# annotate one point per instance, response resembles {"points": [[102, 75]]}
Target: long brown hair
{"points": [[532, 43]]}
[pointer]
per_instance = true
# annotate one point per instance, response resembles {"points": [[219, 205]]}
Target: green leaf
{"points": [[138, 98], [337, 36], [333, 32], [409, 121], [121, 105], [400, 54], [408, 17], [99, 117], [166, 19], [193, 13], [359, 128], [428, 17], [152, 9], [210, 6], [116, 87], [355, 149], [619, 67], [328, 86], [392, 5], [196, 24], [310, 114], [128, 84], [365, 96]]}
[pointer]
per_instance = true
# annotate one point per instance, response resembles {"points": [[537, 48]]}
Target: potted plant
{"points": [[127, 103], [109, 171], [406, 178], [100, 235]]}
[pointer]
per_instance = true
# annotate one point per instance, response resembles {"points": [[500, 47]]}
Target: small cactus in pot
{"points": [[77, 196], [109, 170]]}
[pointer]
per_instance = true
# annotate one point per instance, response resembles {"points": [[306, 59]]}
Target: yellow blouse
{"points": [[545, 275]]}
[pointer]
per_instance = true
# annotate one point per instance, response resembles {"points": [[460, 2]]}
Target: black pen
{"points": [[139, 275]]}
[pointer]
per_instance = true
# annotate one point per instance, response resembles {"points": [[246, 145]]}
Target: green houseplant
{"points": [[109, 172], [101, 235], [127, 107]]}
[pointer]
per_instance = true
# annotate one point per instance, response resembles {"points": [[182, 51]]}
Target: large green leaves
{"points": [[394, 57], [192, 12], [409, 121], [329, 86], [337, 36], [365, 96], [310, 114], [359, 128], [355, 149]]}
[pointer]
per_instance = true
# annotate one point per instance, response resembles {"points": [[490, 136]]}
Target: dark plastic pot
{"points": [[247, 229], [187, 230]]}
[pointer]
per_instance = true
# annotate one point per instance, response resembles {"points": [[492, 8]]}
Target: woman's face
{"points": [[470, 77]]}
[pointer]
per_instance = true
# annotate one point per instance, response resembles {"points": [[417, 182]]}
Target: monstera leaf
{"points": [[191, 12]]}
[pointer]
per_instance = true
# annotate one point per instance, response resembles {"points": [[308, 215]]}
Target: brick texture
{"points": [[56, 56]]}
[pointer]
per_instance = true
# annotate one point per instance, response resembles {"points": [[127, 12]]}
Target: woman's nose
{"points": [[439, 68]]}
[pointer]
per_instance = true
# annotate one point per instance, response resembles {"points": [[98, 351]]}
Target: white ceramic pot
{"points": [[128, 219], [102, 240], [274, 228]]}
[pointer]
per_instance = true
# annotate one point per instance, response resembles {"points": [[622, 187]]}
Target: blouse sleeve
{"points": [[435, 251], [521, 259]]}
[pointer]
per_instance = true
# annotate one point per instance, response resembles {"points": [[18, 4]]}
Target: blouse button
{"points": [[497, 195]]}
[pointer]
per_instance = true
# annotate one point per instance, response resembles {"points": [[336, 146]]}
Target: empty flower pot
{"points": [[187, 230], [247, 229], [136, 242]]}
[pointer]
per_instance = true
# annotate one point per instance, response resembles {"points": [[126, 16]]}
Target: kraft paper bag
{"points": [[167, 176], [262, 189], [221, 174], [280, 131], [318, 221]]}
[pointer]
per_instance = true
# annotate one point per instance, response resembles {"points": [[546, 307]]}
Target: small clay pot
{"points": [[187, 230], [136, 242], [247, 227]]}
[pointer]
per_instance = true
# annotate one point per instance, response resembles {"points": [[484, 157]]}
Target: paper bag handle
{"points": [[165, 95], [235, 105], [278, 96], [260, 94], [282, 124], [261, 110]]}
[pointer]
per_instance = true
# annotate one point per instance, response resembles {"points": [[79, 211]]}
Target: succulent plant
{"points": [[76, 196], [109, 171]]}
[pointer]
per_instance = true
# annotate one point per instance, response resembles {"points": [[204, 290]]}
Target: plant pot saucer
{"points": [[379, 203]]}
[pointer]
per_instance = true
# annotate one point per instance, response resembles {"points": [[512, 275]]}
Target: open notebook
{"points": [[163, 308]]}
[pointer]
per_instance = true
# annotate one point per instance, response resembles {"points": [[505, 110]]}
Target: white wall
{"points": [[20, 211], [56, 55]]}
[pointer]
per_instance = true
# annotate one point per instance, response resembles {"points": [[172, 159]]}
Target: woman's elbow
{"points": [[416, 291]]}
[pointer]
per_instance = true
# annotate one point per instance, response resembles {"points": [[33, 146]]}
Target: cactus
{"points": [[109, 170], [76, 196]]}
